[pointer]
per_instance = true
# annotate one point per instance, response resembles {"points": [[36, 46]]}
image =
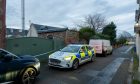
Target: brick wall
{"points": [[2, 23], [72, 37], [68, 36]]}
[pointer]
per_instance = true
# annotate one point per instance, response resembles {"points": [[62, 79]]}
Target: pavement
{"points": [[112, 69]]}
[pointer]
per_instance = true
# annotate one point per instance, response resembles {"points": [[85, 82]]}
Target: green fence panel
{"points": [[34, 46], [58, 44]]}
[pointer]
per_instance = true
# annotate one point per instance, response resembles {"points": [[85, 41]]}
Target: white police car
{"points": [[72, 56]]}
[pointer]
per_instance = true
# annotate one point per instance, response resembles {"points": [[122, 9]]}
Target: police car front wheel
{"points": [[75, 64]]}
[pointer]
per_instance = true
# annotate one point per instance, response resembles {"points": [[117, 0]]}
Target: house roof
{"points": [[49, 29], [14, 32]]}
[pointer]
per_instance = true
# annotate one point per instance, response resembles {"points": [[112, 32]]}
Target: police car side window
{"points": [[89, 48], [83, 49]]}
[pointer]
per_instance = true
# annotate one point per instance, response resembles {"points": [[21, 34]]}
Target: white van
{"points": [[101, 46]]}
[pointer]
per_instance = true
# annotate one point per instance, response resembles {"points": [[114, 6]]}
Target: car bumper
{"points": [[62, 64]]}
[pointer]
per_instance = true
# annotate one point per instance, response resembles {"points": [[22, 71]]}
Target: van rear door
{"points": [[97, 45]]}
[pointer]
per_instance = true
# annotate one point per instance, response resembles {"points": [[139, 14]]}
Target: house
{"points": [[44, 31], [15, 33]]}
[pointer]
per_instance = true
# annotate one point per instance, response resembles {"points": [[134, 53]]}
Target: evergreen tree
{"points": [[86, 33], [110, 30]]}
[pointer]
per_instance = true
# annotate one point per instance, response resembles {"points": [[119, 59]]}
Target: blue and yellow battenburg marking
{"points": [[83, 55]]}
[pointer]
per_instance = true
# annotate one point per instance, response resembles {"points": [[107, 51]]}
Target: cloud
{"points": [[123, 18], [120, 3], [68, 12]]}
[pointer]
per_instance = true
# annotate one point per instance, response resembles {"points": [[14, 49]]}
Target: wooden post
{"points": [[2, 23]]}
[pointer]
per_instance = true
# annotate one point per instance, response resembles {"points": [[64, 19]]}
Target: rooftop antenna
{"points": [[23, 16]]}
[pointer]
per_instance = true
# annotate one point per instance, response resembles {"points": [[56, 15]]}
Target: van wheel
{"points": [[111, 53], [75, 64], [104, 54]]}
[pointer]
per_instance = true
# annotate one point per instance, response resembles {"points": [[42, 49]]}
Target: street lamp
{"points": [[137, 28]]}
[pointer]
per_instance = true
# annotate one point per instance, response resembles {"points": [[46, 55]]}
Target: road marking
{"points": [[91, 73], [107, 74], [43, 53], [7, 82], [128, 49]]}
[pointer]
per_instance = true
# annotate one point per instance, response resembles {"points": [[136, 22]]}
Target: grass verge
{"points": [[135, 79]]}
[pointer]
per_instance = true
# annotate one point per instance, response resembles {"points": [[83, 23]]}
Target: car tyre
{"points": [[104, 54], [75, 64], [111, 53], [28, 76]]}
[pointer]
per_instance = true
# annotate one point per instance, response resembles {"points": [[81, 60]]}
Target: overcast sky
{"points": [[68, 12]]}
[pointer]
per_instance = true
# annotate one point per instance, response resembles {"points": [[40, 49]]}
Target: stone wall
{"points": [[2, 23]]}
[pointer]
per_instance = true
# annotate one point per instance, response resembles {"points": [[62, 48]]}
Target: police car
{"points": [[72, 56]]}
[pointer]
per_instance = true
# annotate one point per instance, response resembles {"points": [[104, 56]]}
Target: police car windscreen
{"points": [[72, 49]]}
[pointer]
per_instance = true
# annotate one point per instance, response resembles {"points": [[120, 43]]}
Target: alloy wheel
{"points": [[28, 76]]}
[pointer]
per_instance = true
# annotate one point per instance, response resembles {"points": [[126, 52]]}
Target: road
{"points": [[112, 69]]}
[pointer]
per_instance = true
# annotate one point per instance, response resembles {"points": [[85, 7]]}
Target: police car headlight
{"points": [[49, 56], [68, 58]]}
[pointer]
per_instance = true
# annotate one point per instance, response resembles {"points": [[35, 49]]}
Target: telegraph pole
{"points": [[23, 16]]}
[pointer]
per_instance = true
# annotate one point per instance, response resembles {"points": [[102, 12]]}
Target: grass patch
{"points": [[135, 63], [135, 68], [135, 82]]}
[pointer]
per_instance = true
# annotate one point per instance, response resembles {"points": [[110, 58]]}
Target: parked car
{"points": [[23, 69], [101, 46], [72, 56]]}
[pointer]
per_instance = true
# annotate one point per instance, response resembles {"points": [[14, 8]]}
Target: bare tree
{"points": [[96, 22]]}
